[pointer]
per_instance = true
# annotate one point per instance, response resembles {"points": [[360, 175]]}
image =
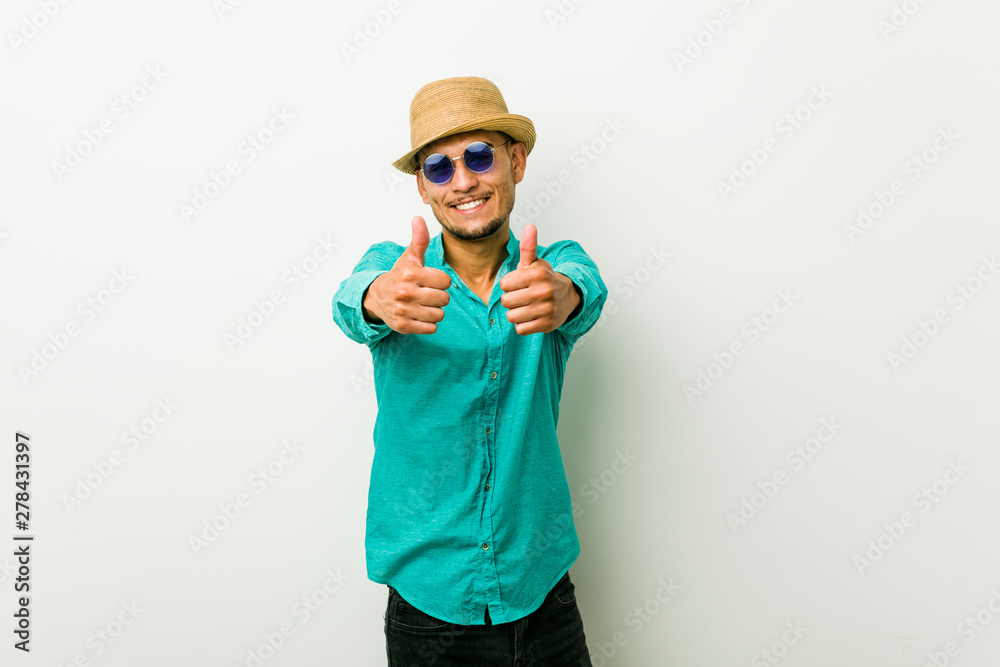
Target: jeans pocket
{"points": [[404, 614], [564, 592]]}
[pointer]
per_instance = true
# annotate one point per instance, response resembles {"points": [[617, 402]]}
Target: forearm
{"points": [[368, 304], [589, 293], [575, 298]]}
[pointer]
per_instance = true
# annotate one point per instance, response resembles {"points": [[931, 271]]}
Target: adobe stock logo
{"points": [[638, 618], [968, 629], [699, 43], [786, 126], [914, 167], [125, 103], [752, 329], [924, 500], [250, 147], [797, 456], [901, 14], [363, 35], [779, 647], [31, 25], [88, 309], [929, 329]]}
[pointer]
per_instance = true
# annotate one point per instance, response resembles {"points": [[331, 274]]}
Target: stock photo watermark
{"points": [[900, 15], [713, 28], [593, 489], [928, 329], [778, 649], [723, 361], [224, 7], [220, 179], [628, 286], [796, 458], [264, 309], [8, 568], [557, 184], [303, 609], [923, 500], [105, 636], [104, 468], [32, 24], [123, 106], [968, 629], [562, 12], [22, 541], [366, 33], [785, 127], [636, 619], [231, 510], [582, 158], [58, 341], [914, 167]]}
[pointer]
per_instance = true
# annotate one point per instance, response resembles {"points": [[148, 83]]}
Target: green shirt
{"points": [[468, 503]]}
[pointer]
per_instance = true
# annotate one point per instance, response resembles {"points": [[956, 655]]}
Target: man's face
{"points": [[495, 186]]}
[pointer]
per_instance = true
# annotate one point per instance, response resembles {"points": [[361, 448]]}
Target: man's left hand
{"points": [[538, 300]]}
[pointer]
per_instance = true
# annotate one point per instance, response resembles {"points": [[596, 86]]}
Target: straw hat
{"points": [[460, 104]]}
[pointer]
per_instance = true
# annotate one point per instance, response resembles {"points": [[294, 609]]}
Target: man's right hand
{"points": [[410, 297]]}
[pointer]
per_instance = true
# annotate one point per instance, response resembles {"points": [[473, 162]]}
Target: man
{"points": [[469, 520]]}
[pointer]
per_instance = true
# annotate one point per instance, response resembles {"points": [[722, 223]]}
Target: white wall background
{"points": [[104, 542]]}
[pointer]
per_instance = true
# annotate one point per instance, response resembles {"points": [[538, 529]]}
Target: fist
{"points": [[537, 298], [410, 297]]}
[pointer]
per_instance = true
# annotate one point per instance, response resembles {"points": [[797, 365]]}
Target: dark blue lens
{"points": [[438, 168], [478, 157]]}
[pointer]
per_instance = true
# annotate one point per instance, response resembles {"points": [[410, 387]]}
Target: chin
{"points": [[475, 231]]}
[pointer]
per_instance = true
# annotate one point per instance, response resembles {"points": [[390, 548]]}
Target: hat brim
{"points": [[519, 127]]}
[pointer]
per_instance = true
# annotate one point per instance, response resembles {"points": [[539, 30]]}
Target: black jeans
{"points": [[550, 636]]}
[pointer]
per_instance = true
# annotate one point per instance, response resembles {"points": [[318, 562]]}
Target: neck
{"points": [[478, 260]]}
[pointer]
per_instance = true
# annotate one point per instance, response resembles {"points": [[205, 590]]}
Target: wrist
{"points": [[368, 304], [576, 297]]}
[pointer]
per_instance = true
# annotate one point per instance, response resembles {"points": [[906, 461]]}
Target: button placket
{"points": [[494, 341]]}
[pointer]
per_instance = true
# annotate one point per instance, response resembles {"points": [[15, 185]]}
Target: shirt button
{"points": [[493, 375], [485, 546], [487, 487], [487, 429], [491, 321]]}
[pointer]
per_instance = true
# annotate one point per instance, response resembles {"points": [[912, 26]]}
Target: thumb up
{"points": [[537, 298], [529, 246], [419, 240], [411, 297]]}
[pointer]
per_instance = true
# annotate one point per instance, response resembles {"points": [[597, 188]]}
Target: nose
{"points": [[463, 179]]}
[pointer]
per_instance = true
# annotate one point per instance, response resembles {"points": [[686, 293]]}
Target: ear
{"points": [[518, 159], [421, 189]]}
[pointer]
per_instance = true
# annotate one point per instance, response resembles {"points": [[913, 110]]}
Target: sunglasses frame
{"points": [[462, 157]]}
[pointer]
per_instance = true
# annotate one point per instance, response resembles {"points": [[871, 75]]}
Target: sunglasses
{"points": [[478, 157]]}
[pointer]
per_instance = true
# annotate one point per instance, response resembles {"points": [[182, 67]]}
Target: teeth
{"points": [[471, 204]]}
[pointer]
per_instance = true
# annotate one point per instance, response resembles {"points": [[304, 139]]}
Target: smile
{"points": [[471, 206]]}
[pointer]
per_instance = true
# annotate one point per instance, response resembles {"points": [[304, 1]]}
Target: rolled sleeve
{"points": [[348, 311], [569, 259]]}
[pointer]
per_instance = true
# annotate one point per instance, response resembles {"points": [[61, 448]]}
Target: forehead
{"points": [[455, 143]]}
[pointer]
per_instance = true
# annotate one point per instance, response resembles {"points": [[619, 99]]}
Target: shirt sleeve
{"points": [[570, 259], [348, 312]]}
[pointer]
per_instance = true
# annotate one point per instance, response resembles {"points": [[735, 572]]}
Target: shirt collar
{"points": [[434, 256]]}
